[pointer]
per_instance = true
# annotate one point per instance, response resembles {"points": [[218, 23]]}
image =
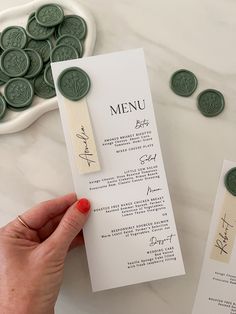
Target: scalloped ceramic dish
{"points": [[17, 121]]}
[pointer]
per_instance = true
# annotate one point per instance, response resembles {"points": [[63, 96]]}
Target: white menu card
{"points": [[130, 236]]}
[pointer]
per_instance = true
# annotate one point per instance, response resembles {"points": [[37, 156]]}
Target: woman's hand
{"points": [[32, 259]]}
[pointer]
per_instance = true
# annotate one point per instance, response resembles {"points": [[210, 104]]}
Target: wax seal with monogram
{"points": [[183, 83], [73, 25], [13, 37], [14, 62], [211, 103], [74, 84], [49, 15], [19, 93]]}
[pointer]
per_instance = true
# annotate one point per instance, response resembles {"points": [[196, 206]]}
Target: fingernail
{"points": [[83, 205]]}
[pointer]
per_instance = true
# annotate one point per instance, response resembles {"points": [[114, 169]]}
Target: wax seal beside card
{"points": [[130, 236]]}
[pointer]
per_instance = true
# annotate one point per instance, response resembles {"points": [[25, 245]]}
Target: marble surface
{"points": [[192, 34]]}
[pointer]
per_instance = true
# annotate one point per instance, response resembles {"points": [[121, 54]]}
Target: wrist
{"points": [[23, 308]]}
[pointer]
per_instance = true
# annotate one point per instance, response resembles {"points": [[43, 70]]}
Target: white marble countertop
{"points": [[192, 34]]}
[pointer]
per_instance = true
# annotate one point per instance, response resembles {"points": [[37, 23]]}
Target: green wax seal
{"points": [[42, 89], [183, 83], [74, 83], [71, 40], [14, 62], [48, 75], [230, 181], [13, 37], [36, 63], [37, 31], [63, 52], [43, 47], [49, 15], [19, 92], [211, 102], [73, 25], [3, 106]]}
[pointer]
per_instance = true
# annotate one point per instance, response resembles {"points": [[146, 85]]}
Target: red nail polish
{"points": [[83, 205]]}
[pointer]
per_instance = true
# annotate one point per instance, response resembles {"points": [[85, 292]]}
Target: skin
{"points": [[32, 261]]}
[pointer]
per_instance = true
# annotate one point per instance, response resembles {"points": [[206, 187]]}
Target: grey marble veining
{"points": [[199, 35]]}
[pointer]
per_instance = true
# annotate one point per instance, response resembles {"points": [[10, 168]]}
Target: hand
{"points": [[32, 260]]}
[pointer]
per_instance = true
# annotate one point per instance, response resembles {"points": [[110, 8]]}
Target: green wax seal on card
{"points": [[73, 25], [48, 75], [36, 63], [14, 62], [19, 92], [183, 83], [42, 89], [43, 47], [63, 52], [49, 15], [70, 40], [13, 37], [3, 106], [211, 102], [74, 83], [230, 181], [37, 31]]}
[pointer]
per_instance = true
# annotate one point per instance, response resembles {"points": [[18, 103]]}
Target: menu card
{"points": [[217, 287], [130, 236]]}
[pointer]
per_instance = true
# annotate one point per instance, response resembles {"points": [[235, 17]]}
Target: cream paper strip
{"points": [[81, 134], [226, 230]]}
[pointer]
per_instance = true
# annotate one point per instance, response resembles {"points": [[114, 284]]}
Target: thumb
{"points": [[70, 225]]}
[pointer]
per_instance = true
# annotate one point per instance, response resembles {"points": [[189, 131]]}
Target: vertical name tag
{"points": [[74, 84], [81, 134], [226, 230]]}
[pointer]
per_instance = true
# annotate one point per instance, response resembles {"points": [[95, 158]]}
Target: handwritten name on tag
{"points": [[81, 135], [226, 230]]}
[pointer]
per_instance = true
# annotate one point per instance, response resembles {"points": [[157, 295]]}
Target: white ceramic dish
{"points": [[17, 121]]}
